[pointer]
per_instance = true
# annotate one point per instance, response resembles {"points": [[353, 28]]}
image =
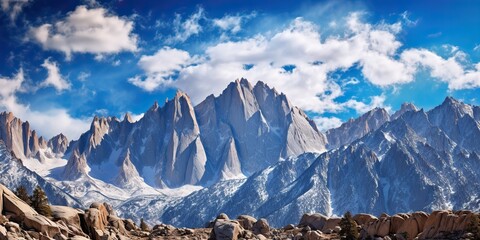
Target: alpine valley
{"points": [[250, 151]]}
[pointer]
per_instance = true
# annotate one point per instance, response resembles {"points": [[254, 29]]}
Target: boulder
{"points": [[223, 216], [289, 227], [117, 223], [383, 227], [41, 224], [66, 214], [363, 219], [14, 205], [261, 237], [331, 224], [12, 227], [421, 218], [432, 224], [396, 221], [1, 198], [226, 229], [410, 228], [71, 230], [103, 212], [298, 236], [465, 218], [315, 221], [3, 233], [109, 209], [246, 221], [3, 219], [312, 235], [129, 224], [261, 227], [94, 219], [380, 227]]}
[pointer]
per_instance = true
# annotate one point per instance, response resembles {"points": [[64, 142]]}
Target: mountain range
{"points": [[250, 151]]}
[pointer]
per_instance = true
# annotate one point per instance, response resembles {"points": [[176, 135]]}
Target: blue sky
{"points": [[65, 61]]}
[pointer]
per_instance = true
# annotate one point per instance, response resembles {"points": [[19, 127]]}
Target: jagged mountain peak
{"points": [[8, 116], [181, 94], [155, 106], [58, 144], [454, 107], [450, 100], [128, 118], [76, 166], [406, 107], [356, 128], [19, 137], [243, 82]]}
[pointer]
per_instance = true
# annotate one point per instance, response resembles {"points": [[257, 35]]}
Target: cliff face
{"points": [[221, 138]]}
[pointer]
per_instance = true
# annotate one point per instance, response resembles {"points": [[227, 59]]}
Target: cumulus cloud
{"points": [[159, 67], [48, 122], [372, 48], [450, 70], [326, 123], [231, 23], [184, 29], [13, 7], [361, 107], [86, 30], [54, 78]]}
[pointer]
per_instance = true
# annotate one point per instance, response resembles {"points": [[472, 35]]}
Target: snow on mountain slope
{"points": [[236, 197], [165, 140], [417, 161], [246, 123], [239, 146], [176, 144], [356, 128], [13, 174]]}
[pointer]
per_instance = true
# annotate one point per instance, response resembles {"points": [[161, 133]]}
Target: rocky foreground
{"points": [[19, 221]]}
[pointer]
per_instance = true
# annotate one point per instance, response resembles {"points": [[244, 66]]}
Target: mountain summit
{"points": [[243, 130]]}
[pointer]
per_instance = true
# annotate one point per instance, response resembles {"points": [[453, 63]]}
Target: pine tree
{"points": [[40, 202], [144, 226], [22, 193], [348, 227]]}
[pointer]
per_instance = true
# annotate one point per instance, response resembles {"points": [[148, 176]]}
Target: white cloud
{"points": [[48, 123], [185, 29], [159, 67], [350, 81], [82, 76], [361, 108], [406, 17], [372, 48], [231, 23], [450, 70], [13, 7], [54, 78], [87, 31], [326, 123]]}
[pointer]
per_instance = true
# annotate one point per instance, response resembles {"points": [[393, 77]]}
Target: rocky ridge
{"points": [[421, 160], [19, 221], [180, 144]]}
